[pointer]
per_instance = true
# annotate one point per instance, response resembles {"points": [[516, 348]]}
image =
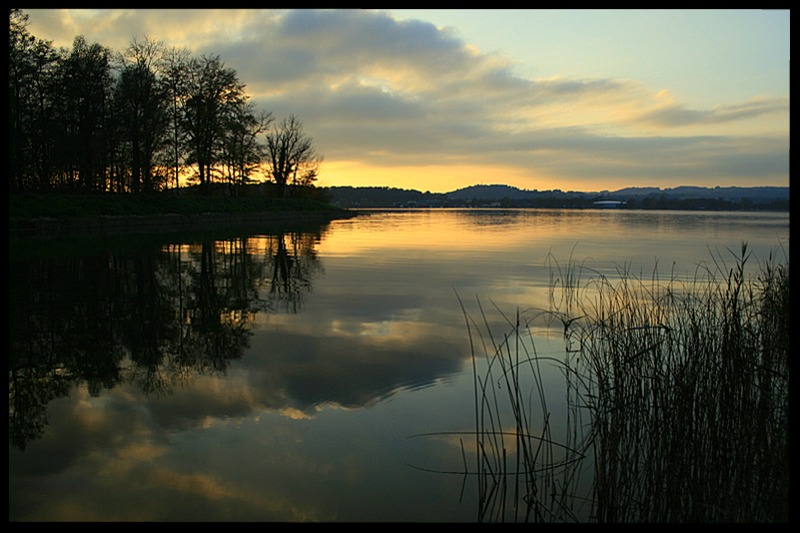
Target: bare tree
{"points": [[291, 155]]}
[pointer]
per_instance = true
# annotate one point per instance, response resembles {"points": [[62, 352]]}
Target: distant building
{"points": [[609, 203]]}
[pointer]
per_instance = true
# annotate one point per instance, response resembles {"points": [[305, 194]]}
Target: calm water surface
{"points": [[301, 374]]}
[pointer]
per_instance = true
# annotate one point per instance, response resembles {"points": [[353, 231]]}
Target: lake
{"points": [[307, 373]]}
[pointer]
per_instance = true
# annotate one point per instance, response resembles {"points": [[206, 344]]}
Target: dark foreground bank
{"points": [[42, 216]]}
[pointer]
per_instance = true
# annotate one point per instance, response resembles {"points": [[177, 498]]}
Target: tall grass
{"points": [[524, 473], [678, 398]]}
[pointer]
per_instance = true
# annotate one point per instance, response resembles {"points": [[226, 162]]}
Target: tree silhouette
{"points": [[173, 66], [141, 113], [87, 83], [291, 155], [214, 94], [242, 152], [88, 119]]}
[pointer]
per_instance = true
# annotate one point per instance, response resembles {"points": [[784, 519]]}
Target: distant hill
{"points": [[729, 193], [489, 192], [683, 197], [381, 197]]}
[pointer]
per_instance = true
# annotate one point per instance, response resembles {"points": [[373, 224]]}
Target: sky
{"points": [[437, 100]]}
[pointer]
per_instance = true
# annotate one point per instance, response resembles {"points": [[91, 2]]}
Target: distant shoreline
{"points": [[683, 198]]}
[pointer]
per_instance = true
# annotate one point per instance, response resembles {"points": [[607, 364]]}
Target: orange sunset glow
{"points": [[437, 100]]}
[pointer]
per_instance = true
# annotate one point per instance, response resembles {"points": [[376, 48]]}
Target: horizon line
{"points": [[656, 187]]}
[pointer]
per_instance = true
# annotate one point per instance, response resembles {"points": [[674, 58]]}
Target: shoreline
{"points": [[52, 227]]}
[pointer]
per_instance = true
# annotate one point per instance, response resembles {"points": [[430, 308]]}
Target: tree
{"points": [[242, 153], [20, 45], [31, 106], [173, 67], [77, 120], [141, 112], [291, 155], [214, 92], [86, 92]]}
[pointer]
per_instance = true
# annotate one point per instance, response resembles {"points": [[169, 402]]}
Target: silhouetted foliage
{"points": [[87, 119], [214, 93], [142, 118]]}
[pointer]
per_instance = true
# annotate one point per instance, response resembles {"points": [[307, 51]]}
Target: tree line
{"points": [[348, 197], [141, 120]]}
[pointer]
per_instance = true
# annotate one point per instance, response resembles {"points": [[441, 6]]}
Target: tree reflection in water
{"points": [[155, 317]]}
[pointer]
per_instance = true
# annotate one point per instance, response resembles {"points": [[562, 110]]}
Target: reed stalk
{"points": [[690, 398], [677, 398], [524, 473]]}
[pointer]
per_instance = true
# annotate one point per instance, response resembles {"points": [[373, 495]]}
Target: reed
{"points": [[677, 399], [523, 472]]}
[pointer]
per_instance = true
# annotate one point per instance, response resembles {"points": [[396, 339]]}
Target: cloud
{"points": [[351, 369], [382, 92], [676, 115]]}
